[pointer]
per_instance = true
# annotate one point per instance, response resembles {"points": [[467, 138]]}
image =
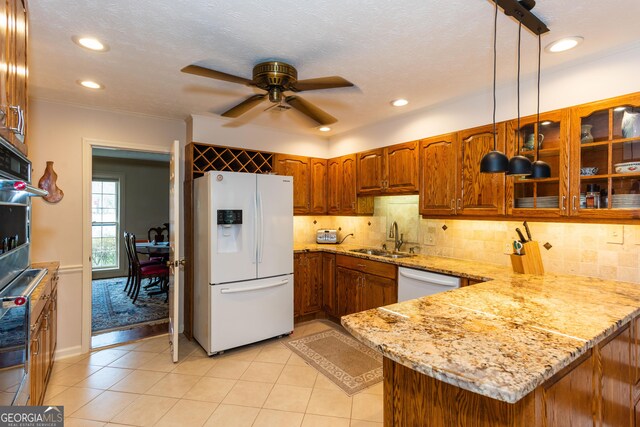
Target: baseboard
{"points": [[64, 353]]}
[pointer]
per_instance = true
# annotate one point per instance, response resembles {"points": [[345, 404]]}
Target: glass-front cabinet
{"points": [[605, 159], [546, 141]]}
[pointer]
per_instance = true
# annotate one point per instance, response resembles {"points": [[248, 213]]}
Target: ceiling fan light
{"points": [[494, 162], [539, 170], [519, 166]]}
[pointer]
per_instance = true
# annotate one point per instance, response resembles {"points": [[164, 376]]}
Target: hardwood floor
{"points": [[109, 339]]}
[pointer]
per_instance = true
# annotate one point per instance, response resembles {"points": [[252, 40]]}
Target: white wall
{"points": [[588, 80], [215, 131], [55, 134]]}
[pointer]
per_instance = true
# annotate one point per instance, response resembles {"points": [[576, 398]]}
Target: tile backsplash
{"points": [[581, 249]]}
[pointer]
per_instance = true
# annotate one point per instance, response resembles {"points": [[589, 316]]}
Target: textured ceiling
{"points": [[428, 51]]}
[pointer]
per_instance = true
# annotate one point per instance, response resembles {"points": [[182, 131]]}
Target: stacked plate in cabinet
{"points": [[543, 202], [625, 201]]}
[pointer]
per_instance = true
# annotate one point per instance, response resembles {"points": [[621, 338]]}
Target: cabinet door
{"points": [[371, 171], [318, 196], [5, 51], [299, 168], [347, 287], [37, 364], [334, 185], [616, 380], [53, 326], [480, 194], [605, 142], [16, 55], [636, 422], [636, 351], [438, 157], [376, 291], [548, 197], [299, 279], [329, 283], [402, 162], [348, 198], [312, 287]]}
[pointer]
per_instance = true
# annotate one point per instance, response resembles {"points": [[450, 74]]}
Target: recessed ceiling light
{"points": [[399, 102], [90, 43], [546, 123], [564, 44], [324, 129], [89, 84]]}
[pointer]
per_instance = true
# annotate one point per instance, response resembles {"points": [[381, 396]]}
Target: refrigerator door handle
{"points": [[261, 231], [253, 288], [255, 229]]}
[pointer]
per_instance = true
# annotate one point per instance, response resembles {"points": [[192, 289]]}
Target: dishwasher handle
{"points": [[450, 283], [253, 288]]}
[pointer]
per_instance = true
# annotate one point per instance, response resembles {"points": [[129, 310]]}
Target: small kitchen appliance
{"points": [[325, 236]]}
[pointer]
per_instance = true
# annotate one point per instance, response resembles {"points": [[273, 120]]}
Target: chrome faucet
{"points": [[393, 234]]}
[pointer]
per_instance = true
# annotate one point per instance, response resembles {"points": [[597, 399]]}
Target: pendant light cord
{"points": [[495, 54], [518, 85], [538, 107]]}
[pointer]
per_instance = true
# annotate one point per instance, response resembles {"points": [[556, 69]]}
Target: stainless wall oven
{"points": [[17, 281]]}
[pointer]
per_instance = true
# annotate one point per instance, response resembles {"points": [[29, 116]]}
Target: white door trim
{"points": [[87, 168]]}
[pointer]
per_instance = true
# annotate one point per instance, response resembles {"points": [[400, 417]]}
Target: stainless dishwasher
{"points": [[417, 283]]}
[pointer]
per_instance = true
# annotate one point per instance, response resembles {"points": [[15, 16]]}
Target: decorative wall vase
{"points": [[585, 134], [48, 183], [630, 124]]}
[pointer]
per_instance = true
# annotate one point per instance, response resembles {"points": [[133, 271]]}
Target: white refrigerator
{"points": [[243, 284]]}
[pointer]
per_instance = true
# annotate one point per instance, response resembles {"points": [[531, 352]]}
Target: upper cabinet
{"points": [[318, 191], [438, 188], [479, 194], [605, 153], [300, 169], [389, 170], [341, 192], [548, 142], [13, 76]]}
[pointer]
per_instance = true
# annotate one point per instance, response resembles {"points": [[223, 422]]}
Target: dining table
{"points": [[161, 249]]}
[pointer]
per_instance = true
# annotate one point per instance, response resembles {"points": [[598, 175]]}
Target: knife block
{"points": [[529, 261]]}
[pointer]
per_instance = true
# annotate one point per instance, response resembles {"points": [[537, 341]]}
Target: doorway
{"points": [[129, 194]]}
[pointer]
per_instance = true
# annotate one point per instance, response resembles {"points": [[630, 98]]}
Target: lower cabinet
{"points": [[43, 335], [363, 284], [329, 283], [307, 283]]}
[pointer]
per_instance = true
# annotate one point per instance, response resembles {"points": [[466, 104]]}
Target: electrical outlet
{"points": [[508, 247], [430, 236], [615, 234]]}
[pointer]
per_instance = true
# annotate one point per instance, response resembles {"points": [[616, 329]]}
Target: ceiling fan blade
{"points": [[244, 106], [310, 110], [213, 74], [321, 83]]}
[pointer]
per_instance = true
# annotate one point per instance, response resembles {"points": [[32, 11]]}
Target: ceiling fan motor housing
{"points": [[274, 77]]}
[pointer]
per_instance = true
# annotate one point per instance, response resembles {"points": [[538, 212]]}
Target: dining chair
{"points": [[131, 265], [149, 271], [158, 234]]}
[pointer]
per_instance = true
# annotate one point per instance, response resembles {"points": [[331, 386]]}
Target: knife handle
{"points": [[526, 228], [522, 239]]}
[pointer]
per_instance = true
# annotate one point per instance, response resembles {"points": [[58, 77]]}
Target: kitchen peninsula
{"points": [[518, 350]]}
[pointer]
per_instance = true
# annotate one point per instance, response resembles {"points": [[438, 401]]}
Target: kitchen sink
{"points": [[382, 253]]}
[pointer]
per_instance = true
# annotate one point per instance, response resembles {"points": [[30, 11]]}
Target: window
{"points": [[105, 218]]}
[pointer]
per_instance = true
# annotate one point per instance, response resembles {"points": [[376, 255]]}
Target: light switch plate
{"points": [[615, 234]]}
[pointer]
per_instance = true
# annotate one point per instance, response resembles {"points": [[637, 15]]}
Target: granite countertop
{"points": [[501, 338], [51, 267]]}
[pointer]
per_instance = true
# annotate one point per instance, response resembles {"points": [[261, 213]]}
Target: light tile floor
{"points": [[261, 385]]}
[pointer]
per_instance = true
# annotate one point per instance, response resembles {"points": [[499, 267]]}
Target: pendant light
{"points": [[539, 168], [494, 161], [519, 165]]}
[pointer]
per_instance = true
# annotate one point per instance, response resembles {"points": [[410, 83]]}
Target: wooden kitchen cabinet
{"points": [[616, 379], [598, 139], [541, 198], [13, 75], [307, 283], [43, 334], [342, 198], [438, 188], [479, 194], [318, 191], [364, 284], [329, 283], [300, 169], [389, 170]]}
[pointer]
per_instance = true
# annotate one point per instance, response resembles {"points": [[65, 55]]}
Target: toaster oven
{"points": [[325, 236]]}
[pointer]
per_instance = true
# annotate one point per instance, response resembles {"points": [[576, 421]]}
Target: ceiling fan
{"points": [[276, 78]]}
